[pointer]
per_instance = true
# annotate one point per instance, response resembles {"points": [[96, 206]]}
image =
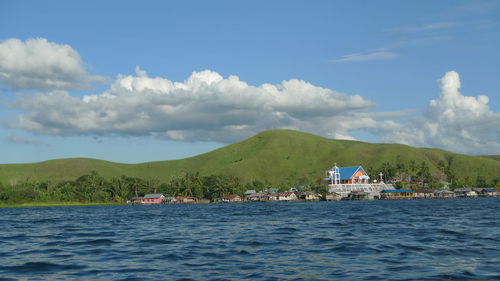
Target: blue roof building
{"points": [[347, 175]]}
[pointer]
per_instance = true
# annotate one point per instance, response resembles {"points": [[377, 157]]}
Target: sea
{"points": [[428, 239]]}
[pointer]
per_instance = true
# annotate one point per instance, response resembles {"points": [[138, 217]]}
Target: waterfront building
{"points": [[287, 196], [396, 194], [444, 194], [465, 192], [423, 193], [153, 199], [344, 180], [136, 200], [310, 196], [230, 198], [185, 199], [255, 197], [489, 192]]}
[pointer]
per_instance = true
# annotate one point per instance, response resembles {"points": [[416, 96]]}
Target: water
{"points": [[455, 239]]}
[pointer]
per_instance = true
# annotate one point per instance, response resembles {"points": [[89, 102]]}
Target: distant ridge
{"points": [[275, 156]]}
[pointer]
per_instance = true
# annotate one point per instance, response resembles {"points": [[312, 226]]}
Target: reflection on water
{"points": [[452, 239]]}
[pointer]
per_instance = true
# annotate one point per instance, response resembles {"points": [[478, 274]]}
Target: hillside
{"points": [[276, 156]]}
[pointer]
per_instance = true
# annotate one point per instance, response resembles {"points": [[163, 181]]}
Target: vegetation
{"points": [[277, 158]]}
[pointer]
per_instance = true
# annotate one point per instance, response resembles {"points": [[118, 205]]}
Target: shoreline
{"points": [[57, 204], [77, 204]]}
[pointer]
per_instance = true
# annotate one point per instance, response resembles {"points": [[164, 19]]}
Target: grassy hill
{"points": [[276, 156]]}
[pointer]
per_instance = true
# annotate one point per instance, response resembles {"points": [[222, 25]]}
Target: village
{"points": [[342, 184]]}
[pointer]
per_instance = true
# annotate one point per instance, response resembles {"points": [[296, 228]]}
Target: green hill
{"points": [[276, 156]]}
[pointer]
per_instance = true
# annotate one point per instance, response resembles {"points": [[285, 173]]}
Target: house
{"points": [[310, 196], [333, 196], [396, 194], [287, 196], [153, 199], [444, 194], [489, 192], [135, 200], [347, 175], [272, 197], [170, 200], [185, 199], [423, 193], [255, 197], [230, 198], [465, 192]]}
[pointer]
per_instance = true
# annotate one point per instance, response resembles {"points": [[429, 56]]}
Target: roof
{"points": [[397, 190], [347, 173], [444, 191], [490, 189], [153, 196]]}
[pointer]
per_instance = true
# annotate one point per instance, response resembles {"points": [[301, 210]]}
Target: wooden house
{"points": [[135, 200], [272, 197], [185, 199], [230, 198], [444, 194], [310, 196], [153, 199], [396, 194], [255, 197], [333, 196], [287, 196], [423, 193], [490, 192], [465, 192]]}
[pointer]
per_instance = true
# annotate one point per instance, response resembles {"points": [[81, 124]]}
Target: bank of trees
{"points": [[413, 174], [95, 188]]}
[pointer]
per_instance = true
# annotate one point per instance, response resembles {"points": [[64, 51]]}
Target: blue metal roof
{"points": [[347, 173]]}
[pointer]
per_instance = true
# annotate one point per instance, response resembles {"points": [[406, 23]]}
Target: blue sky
{"points": [[136, 81]]}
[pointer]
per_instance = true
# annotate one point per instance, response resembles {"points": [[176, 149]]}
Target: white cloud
{"points": [[205, 107], [381, 55], [453, 121], [42, 65]]}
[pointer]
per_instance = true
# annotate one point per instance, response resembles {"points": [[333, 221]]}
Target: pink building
{"points": [[153, 199]]}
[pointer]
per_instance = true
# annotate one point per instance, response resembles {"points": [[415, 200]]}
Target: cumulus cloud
{"points": [[453, 121], [42, 65], [204, 107], [380, 55]]}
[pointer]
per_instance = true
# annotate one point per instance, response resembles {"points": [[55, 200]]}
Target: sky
{"points": [[138, 81]]}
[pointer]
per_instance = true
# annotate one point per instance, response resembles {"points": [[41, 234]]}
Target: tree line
{"points": [[94, 188], [413, 174]]}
